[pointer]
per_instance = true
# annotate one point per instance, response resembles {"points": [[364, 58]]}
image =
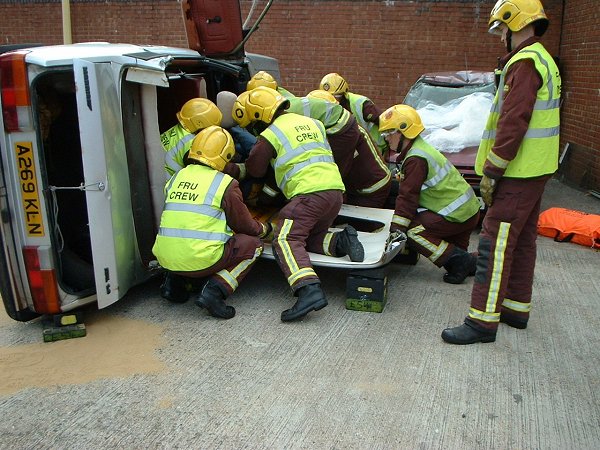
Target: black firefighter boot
{"points": [[347, 243], [467, 333], [310, 298], [174, 288], [460, 265], [212, 298]]}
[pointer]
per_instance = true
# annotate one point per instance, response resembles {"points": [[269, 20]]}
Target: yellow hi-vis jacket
{"points": [[176, 141], [356, 106], [444, 191], [304, 161], [538, 152], [193, 227], [332, 115]]}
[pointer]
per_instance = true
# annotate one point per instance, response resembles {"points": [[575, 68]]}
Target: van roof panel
{"points": [[58, 55]]}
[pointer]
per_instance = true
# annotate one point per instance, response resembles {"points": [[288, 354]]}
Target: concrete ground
{"points": [[153, 375]]}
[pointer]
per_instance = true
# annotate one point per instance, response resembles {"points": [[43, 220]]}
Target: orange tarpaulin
{"points": [[567, 225]]}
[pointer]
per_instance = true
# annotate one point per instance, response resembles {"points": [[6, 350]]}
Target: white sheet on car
{"points": [[377, 250], [458, 123]]}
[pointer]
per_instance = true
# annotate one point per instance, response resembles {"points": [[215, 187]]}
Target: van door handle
{"points": [[216, 19]]}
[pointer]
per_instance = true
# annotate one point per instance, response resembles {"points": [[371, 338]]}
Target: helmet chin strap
{"points": [[509, 41]]}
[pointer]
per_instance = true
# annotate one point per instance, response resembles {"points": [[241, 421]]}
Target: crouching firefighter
{"points": [[305, 172], [435, 206], [195, 115], [206, 229]]}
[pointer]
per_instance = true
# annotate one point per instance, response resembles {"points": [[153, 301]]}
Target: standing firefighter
{"points": [[361, 107], [517, 156], [305, 172], [435, 206], [205, 228]]}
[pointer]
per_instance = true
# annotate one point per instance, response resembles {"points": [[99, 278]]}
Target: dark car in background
{"points": [[454, 107]]}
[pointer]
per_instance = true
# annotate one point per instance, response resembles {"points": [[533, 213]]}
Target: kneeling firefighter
{"points": [[206, 229], [435, 206], [195, 115], [305, 172]]}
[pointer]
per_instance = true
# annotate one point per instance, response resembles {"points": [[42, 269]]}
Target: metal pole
{"points": [[66, 22]]}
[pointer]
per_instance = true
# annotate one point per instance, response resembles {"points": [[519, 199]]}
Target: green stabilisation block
{"points": [[366, 290], [52, 334]]}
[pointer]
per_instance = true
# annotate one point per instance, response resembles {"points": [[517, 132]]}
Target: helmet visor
{"points": [[495, 28], [388, 133]]}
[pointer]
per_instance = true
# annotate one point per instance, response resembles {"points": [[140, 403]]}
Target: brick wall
{"points": [[580, 66], [380, 47]]}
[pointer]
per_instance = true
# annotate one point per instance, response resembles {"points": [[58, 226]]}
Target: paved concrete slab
{"points": [[153, 375]]}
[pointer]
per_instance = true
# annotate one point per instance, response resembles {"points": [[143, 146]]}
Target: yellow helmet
{"points": [[517, 14], [262, 78], [323, 95], [262, 103], [213, 147], [199, 113], [238, 112], [334, 84], [402, 118]]}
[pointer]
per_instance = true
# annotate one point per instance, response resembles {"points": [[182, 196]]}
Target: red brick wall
{"points": [[580, 65], [380, 47]]}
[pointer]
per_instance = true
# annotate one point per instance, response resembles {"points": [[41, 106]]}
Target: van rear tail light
{"points": [[16, 102], [42, 281]]}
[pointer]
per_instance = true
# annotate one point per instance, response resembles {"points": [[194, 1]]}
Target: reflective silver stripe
{"points": [[290, 152], [531, 133], [489, 134], [293, 153], [269, 191], [549, 85], [497, 267], [539, 104], [169, 184], [231, 277], [440, 172], [546, 104], [399, 220], [484, 316], [214, 187], [457, 203], [305, 272], [376, 186], [302, 165], [328, 110], [497, 161], [436, 250], [191, 234], [341, 123], [174, 151], [203, 210], [516, 306], [305, 106], [327, 243], [534, 133]]}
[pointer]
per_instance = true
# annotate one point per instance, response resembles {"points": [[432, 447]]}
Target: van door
{"points": [[114, 252]]}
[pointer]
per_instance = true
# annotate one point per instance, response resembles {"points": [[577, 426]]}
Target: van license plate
{"points": [[29, 189]]}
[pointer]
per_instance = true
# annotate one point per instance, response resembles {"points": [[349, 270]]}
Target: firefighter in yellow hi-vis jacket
{"points": [[305, 172], [435, 206], [517, 155], [362, 108], [195, 115], [206, 229]]}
